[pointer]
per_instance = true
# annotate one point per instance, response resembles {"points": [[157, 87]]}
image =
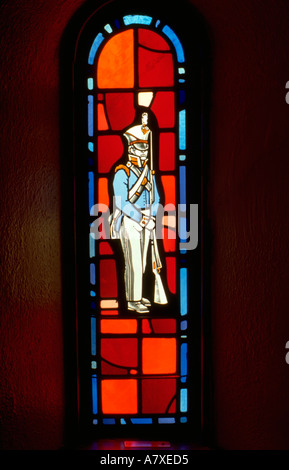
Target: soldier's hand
{"points": [[151, 224]]}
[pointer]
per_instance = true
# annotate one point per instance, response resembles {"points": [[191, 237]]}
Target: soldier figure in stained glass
{"points": [[136, 201]]}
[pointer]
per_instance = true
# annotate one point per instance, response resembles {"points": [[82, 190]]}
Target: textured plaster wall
{"points": [[31, 365], [248, 208]]}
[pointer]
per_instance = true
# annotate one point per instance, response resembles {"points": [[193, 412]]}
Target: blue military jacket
{"points": [[123, 181]]}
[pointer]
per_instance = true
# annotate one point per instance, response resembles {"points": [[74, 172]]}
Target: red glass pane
{"points": [[164, 108], [120, 351], [109, 369], [102, 229], [146, 327], [120, 109], [158, 395], [155, 68], [164, 325], [167, 151], [105, 248], [171, 274], [110, 149], [107, 278], [152, 40]]}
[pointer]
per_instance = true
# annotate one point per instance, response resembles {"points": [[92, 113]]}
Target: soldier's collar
{"points": [[136, 161]]}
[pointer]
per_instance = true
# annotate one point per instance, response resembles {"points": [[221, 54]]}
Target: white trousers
{"points": [[135, 242]]}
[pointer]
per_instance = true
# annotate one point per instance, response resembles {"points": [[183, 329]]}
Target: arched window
{"points": [[137, 130]]}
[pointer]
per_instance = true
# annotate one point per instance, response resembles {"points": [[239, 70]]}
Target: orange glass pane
{"points": [[116, 62], [118, 326], [101, 118], [170, 221], [169, 185], [169, 239], [103, 196], [159, 355], [119, 396]]}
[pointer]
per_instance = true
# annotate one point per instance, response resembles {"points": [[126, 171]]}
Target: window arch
{"points": [[137, 109]]}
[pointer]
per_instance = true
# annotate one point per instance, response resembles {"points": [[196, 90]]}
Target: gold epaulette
{"points": [[122, 167]]}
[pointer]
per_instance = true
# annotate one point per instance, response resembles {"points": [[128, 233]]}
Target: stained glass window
{"points": [[138, 239]]}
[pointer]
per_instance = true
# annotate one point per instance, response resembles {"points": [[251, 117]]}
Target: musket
{"points": [[159, 292]]}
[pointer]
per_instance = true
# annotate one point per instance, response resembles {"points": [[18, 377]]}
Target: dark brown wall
{"points": [[247, 203], [249, 207]]}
